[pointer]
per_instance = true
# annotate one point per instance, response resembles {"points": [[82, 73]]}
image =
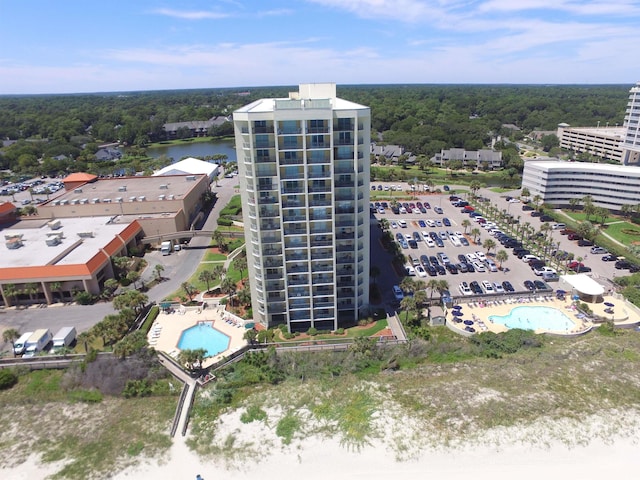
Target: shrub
{"points": [[313, 331], [284, 328], [137, 388], [339, 331], [224, 222], [7, 379], [252, 414], [87, 396], [84, 298]]}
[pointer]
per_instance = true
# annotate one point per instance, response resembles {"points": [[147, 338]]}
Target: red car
{"points": [[574, 236], [575, 264]]}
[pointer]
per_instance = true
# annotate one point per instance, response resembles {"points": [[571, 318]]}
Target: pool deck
{"points": [[479, 313], [165, 333]]}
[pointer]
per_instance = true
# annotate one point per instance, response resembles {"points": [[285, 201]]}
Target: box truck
{"points": [[63, 338], [165, 247], [20, 345], [37, 342]]}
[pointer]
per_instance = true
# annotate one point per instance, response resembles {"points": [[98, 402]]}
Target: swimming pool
{"points": [[204, 336], [535, 318]]}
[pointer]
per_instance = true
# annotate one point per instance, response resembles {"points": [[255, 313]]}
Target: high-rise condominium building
{"points": [[303, 165], [631, 143]]}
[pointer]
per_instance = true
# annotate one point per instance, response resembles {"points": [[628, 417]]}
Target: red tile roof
{"points": [[79, 177]]}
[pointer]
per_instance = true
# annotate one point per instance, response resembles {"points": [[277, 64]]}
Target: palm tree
{"points": [[240, 264], [466, 224], [219, 272], [433, 285], [228, 286], [489, 244], [11, 335], [218, 240], [525, 193], [244, 296], [573, 203], [502, 256], [475, 233], [408, 304], [158, 269], [384, 224], [133, 277], [206, 276], [189, 290], [10, 293], [408, 285]]}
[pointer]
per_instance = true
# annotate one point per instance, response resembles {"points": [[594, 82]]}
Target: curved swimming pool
{"points": [[535, 318], [204, 336]]}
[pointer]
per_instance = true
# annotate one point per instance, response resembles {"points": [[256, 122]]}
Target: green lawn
{"points": [[214, 257], [623, 232], [581, 217]]}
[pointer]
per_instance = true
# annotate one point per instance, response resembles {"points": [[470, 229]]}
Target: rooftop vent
{"points": [[13, 243], [132, 199], [54, 224], [86, 234], [95, 200], [74, 201], [164, 186], [53, 241], [55, 202], [122, 188], [83, 201], [119, 199], [190, 178], [171, 197], [142, 198], [64, 202], [106, 200], [77, 190], [161, 197]]}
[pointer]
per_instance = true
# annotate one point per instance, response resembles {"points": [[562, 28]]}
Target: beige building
{"points": [[160, 204]]}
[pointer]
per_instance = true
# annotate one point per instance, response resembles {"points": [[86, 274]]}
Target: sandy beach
{"points": [[506, 453]]}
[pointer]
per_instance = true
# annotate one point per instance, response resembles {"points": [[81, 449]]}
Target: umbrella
{"points": [[468, 322], [561, 292], [576, 297], [457, 313], [457, 307], [470, 329], [609, 304]]}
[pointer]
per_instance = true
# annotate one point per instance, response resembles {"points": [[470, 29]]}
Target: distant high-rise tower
{"points": [[631, 142], [303, 165]]}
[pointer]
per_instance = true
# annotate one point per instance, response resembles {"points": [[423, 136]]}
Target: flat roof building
{"points": [[161, 204], [557, 182], [42, 257], [605, 143]]}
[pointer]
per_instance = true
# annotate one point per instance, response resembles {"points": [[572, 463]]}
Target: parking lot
{"points": [[409, 230]]}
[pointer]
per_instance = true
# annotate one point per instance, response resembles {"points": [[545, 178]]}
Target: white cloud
{"points": [[190, 15], [580, 7]]}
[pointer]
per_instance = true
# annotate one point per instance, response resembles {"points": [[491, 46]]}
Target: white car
{"points": [[455, 241], [420, 271], [430, 223], [394, 225], [498, 288], [471, 257], [528, 258], [487, 286], [464, 289], [403, 210], [540, 270], [398, 293], [417, 211], [481, 256], [430, 243], [410, 270], [491, 265], [479, 267]]}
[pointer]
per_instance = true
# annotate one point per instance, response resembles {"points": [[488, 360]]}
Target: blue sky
{"points": [[69, 46]]}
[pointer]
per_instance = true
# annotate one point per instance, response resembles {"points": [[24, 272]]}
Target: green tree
{"points": [[133, 277], [240, 264], [489, 244], [11, 335], [192, 358], [189, 290], [207, 277], [158, 269], [466, 223], [10, 292], [132, 299], [130, 344], [502, 256]]}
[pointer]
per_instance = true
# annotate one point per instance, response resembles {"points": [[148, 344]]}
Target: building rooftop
{"points": [[110, 189], [585, 166], [80, 240], [193, 166], [613, 132]]}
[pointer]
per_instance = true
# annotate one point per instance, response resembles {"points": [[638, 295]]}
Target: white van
{"points": [[402, 223], [20, 345]]}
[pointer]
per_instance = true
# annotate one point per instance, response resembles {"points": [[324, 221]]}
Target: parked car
{"points": [[574, 236], [540, 285], [536, 213], [598, 250], [540, 270], [546, 218], [507, 286], [527, 208], [465, 289], [446, 222], [420, 271], [558, 226], [487, 286], [609, 258], [583, 242], [528, 284], [498, 288], [475, 288], [397, 293]]}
